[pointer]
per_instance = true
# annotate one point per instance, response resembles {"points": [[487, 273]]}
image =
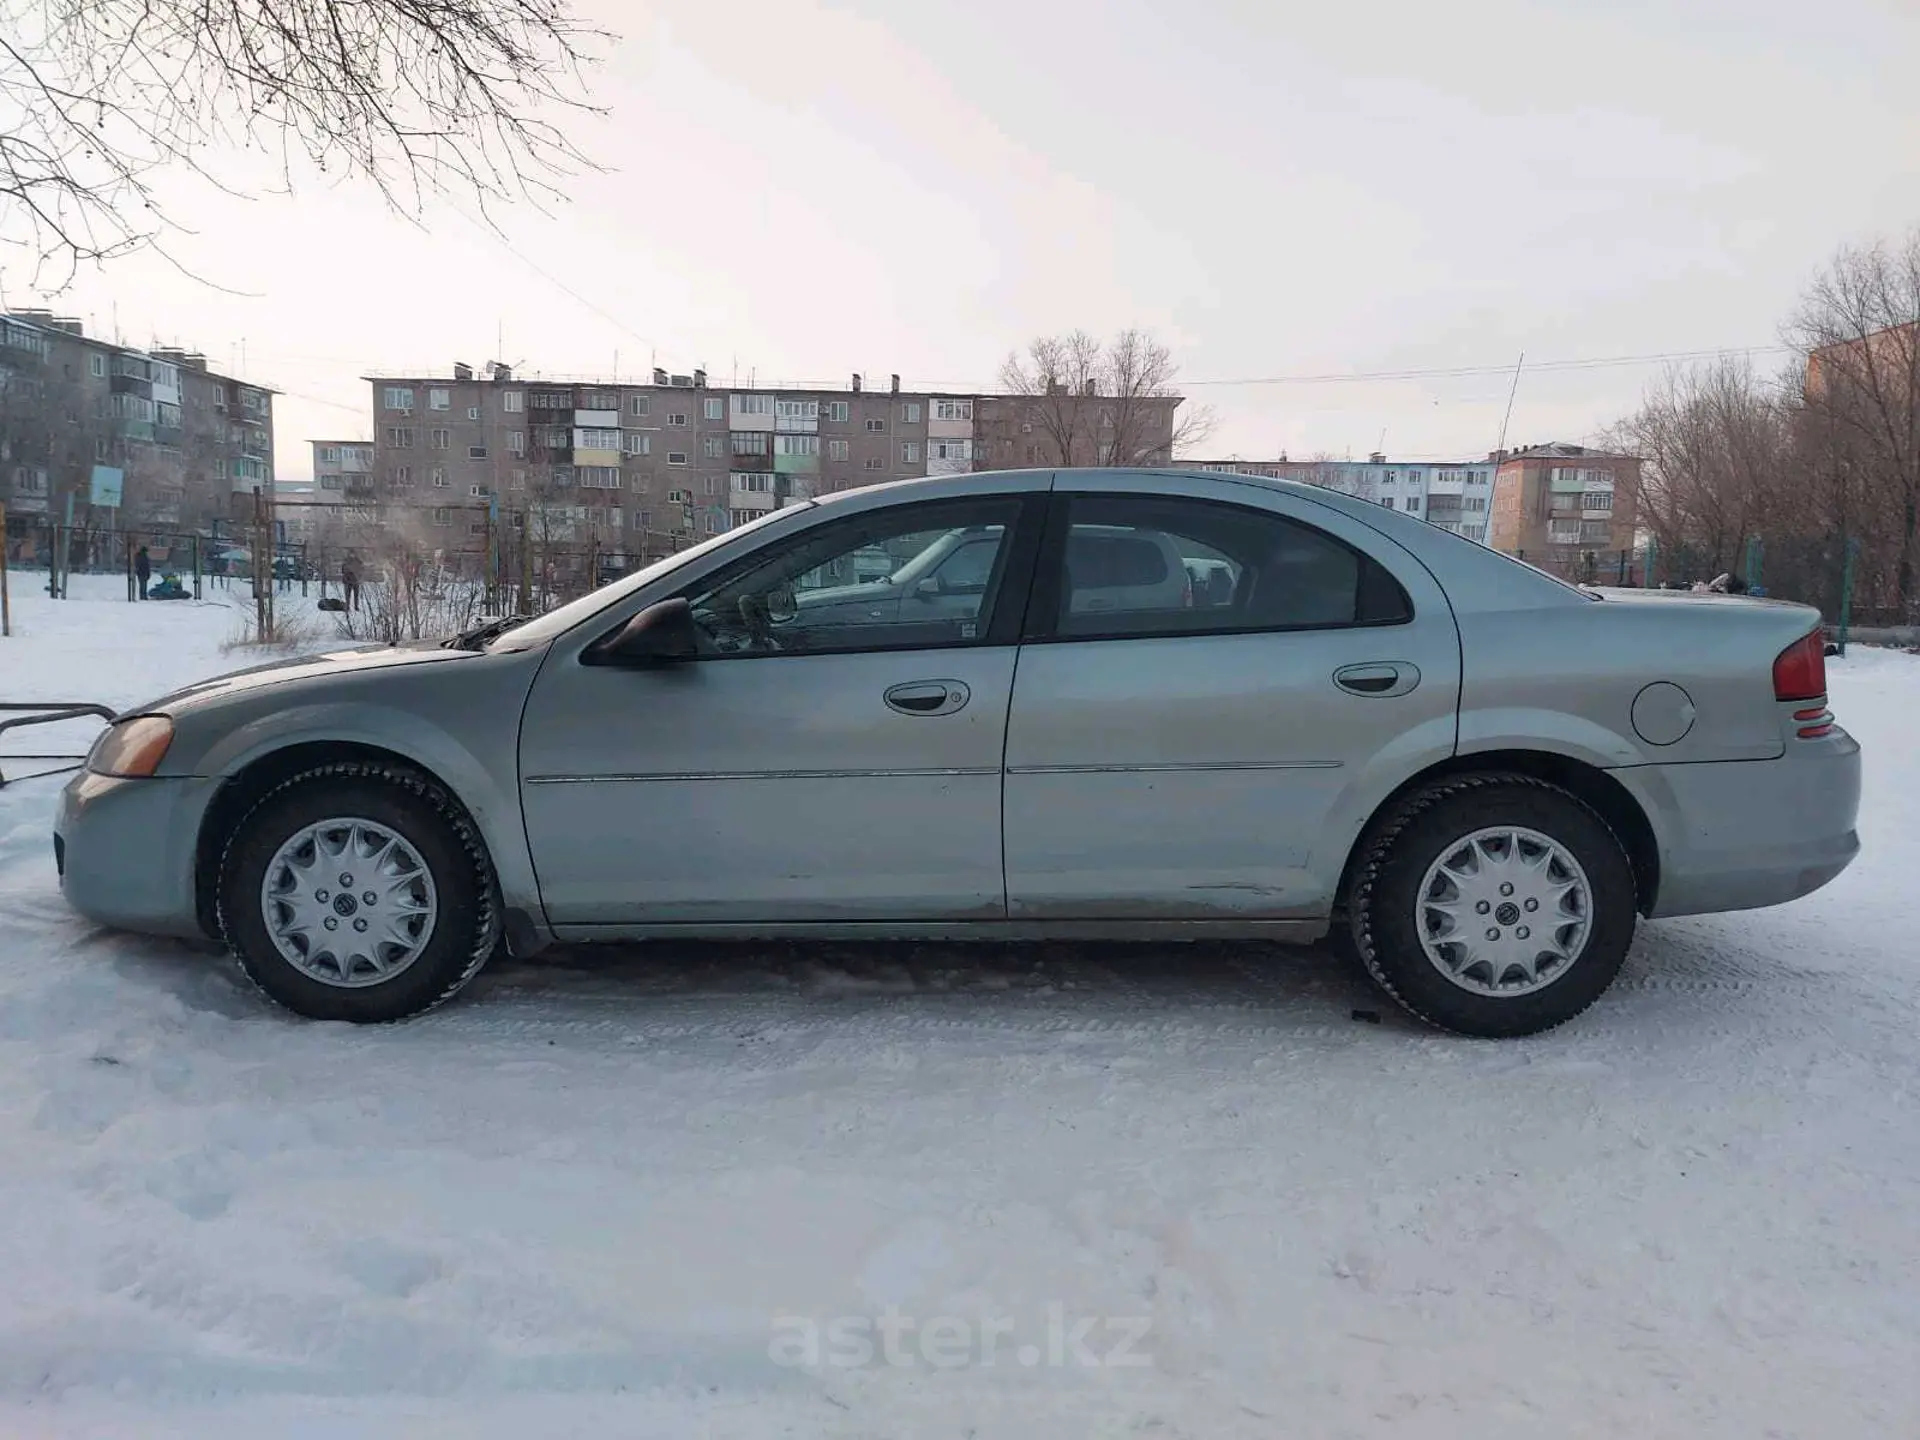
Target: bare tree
{"points": [[417, 96], [1860, 325], [1715, 444], [1104, 404]]}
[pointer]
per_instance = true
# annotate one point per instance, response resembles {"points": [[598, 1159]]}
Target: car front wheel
{"points": [[358, 892], [1493, 905]]}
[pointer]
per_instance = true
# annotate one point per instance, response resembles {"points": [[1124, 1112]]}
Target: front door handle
{"points": [[928, 697], [1389, 677]]}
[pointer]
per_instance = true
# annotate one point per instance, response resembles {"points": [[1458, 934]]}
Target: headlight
{"points": [[132, 749]]}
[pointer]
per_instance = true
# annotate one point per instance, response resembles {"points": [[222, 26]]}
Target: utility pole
{"points": [[6, 601]]}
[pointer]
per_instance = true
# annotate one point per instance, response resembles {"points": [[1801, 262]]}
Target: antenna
{"points": [[1515, 390]]}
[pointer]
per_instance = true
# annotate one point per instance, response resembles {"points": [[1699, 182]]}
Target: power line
{"points": [[1446, 372]]}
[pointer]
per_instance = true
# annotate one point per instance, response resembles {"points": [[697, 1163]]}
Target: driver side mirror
{"points": [[928, 588], [661, 634]]}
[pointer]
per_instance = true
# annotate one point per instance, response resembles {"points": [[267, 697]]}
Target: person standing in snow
{"points": [[350, 582], [142, 572]]}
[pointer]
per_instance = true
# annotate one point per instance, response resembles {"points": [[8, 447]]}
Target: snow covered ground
{"points": [[617, 1195]]}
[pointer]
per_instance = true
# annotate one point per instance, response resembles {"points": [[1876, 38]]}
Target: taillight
{"points": [[1800, 671]]}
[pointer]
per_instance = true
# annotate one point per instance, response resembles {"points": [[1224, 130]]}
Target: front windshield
{"points": [[559, 620]]}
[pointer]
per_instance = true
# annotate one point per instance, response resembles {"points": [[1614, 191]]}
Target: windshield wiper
{"points": [[486, 630]]}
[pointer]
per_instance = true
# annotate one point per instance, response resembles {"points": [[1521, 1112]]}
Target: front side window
{"points": [[908, 578], [1139, 565]]}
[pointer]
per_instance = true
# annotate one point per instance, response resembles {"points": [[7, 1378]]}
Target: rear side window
{"points": [[1138, 565]]}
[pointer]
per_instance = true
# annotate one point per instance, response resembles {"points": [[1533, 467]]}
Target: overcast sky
{"points": [[797, 190]]}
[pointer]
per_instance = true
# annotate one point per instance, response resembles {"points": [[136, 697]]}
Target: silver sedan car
{"points": [[1468, 775]]}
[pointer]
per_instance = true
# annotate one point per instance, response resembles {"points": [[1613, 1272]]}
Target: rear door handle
{"points": [[928, 697], [1389, 677]]}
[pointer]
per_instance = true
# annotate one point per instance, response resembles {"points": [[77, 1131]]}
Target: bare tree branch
{"points": [[418, 97], [1104, 404]]}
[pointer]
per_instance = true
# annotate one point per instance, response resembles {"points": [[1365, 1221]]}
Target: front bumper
{"points": [[1740, 835], [126, 850]]}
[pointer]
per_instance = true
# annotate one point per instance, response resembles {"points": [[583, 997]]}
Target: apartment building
{"points": [[1556, 504], [189, 443], [1012, 432], [639, 468], [1455, 495], [644, 467], [343, 472]]}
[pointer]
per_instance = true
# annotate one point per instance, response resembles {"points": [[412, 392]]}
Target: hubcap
{"points": [[348, 902], [1504, 911]]}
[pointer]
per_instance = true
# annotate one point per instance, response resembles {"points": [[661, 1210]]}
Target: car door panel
{"points": [[786, 773], [768, 788], [1215, 776]]}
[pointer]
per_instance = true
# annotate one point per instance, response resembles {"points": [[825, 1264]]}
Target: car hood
{"points": [[304, 667]]}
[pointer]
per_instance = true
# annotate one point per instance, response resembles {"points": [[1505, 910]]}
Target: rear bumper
{"points": [[126, 851], [1739, 835]]}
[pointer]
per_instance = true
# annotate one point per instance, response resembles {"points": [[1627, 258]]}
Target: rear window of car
{"points": [[1153, 565]]}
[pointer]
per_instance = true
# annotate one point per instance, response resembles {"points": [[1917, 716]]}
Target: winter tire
{"points": [[358, 892], [1493, 905]]}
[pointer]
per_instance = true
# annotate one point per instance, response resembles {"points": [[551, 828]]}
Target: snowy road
{"points": [[596, 1197]]}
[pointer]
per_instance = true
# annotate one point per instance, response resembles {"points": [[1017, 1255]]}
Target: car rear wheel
{"points": [[358, 892], [1493, 905]]}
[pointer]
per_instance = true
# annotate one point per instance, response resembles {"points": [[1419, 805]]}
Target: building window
{"points": [[512, 402], [710, 522], [796, 444], [874, 462], [473, 412], [97, 366], [910, 412], [838, 411], [638, 406], [714, 408], [676, 457], [398, 397], [909, 452], [476, 452], [636, 442], [953, 409], [838, 449], [711, 446], [676, 420], [596, 439], [329, 455], [438, 439], [753, 482], [479, 492], [550, 399], [876, 427], [517, 442], [600, 477], [753, 404], [400, 437], [438, 475], [951, 449], [403, 475], [438, 399], [1413, 502], [752, 442], [796, 410], [556, 439], [443, 515]]}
